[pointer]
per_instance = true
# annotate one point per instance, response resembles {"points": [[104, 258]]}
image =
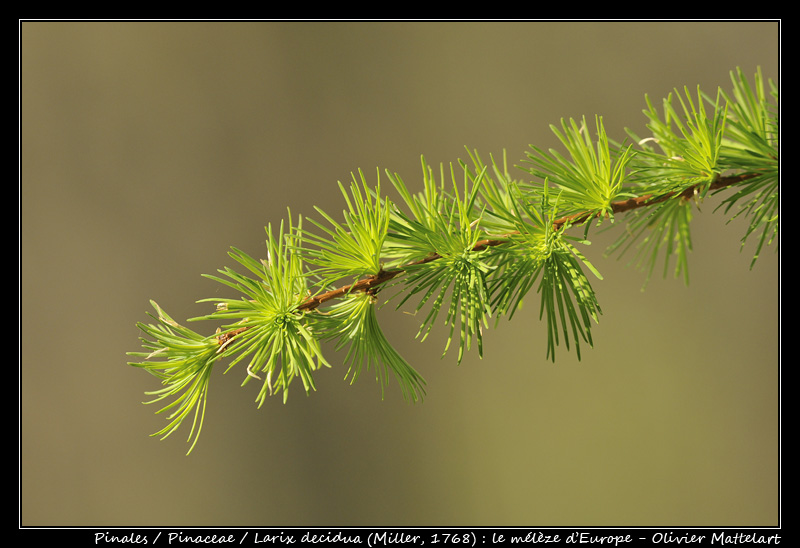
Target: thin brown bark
{"points": [[373, 281], [648, 199]]}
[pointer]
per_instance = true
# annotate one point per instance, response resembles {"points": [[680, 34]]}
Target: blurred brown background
{"points": [[147, 149]]}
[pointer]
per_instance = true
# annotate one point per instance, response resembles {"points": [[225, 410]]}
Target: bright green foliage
{"points": [[661, 229], [446, 226], [691, 153], [472, 245], [352, 249], [270, 330], [591, 178], [690, 149], [535, 250], [355, 250], [682, 154], [353, 323], [184, 364], [538, 251], [751, 144]]}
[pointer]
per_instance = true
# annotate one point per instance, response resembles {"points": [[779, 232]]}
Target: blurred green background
{"points": [[149, 148]]}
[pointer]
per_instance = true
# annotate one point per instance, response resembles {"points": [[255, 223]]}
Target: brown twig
{"points": [[373, 281], [648, 200]]}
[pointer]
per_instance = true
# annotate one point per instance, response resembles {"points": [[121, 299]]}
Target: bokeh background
{"points": [[149, 148]]}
